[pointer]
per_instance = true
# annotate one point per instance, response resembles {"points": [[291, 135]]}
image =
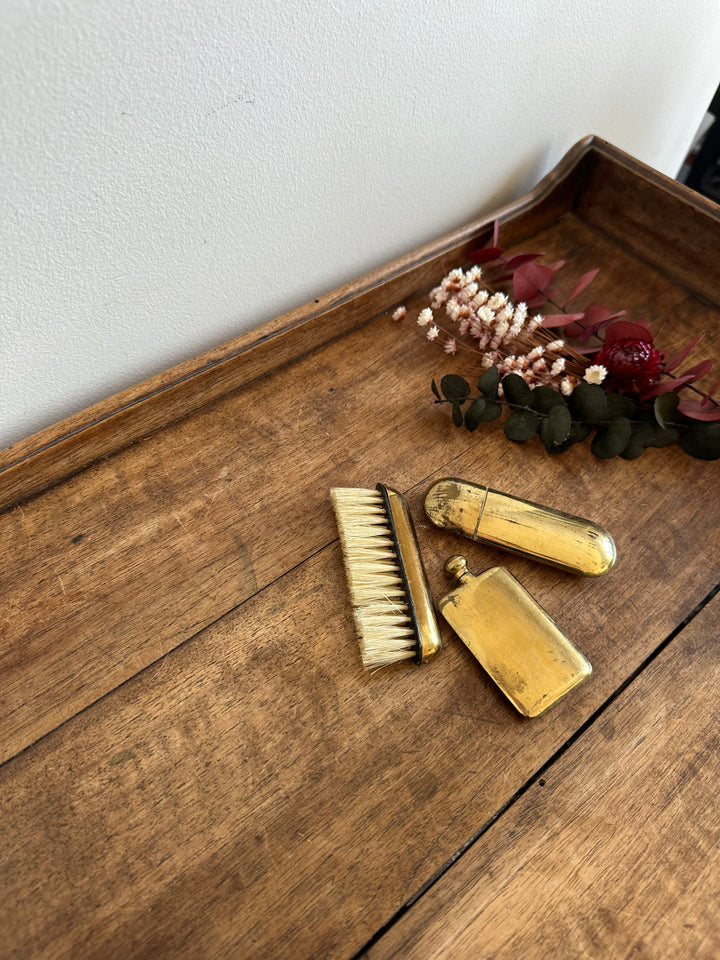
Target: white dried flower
{"points": [[566, 386], [501, 328], [425, 317], [498, 300], [536, 352], [595, 374], [433, 333], [438, 297], [556, 345], [535, 323], [450, 347], [557, 368], [480, 298], [476, 330], [486, 315], [400, 313]]}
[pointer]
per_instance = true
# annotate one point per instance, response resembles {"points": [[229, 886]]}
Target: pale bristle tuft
{"points": [[377, 591]]}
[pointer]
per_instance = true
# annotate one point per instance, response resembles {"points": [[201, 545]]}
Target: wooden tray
{"points": [[194, 763]]}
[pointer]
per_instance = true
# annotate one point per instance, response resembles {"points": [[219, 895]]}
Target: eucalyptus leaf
{"points": [[521, 425], [663, 437], [618, 405], [702, 440], [664, 407], [473, 414], [633, 449], [493, 409], [588, 402], [578, 432], [612, 438], [457, 414], [489, 382], [455, 388], [555, 428], [641, 435], [435, 390], [545, 398], [516, 390]]}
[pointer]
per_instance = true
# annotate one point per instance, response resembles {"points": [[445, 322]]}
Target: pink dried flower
{"points": [[501, 332]]}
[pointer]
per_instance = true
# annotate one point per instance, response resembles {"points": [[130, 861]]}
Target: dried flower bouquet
{"points": [[563, 375]]}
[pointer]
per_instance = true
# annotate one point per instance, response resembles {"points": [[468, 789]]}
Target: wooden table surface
{"points": [[192, 761]]}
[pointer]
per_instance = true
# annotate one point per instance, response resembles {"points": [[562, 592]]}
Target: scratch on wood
{"points": [[246, 565]]}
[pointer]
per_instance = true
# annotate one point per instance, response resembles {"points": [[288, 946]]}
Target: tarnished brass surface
{"points": [[420, 601], [529, 529], [518, 644]]}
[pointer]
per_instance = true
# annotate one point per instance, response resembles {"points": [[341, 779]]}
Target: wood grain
{"points": [[116, 566], [660, 221], [199, 765], [110, 570], [614, 852], [255, 794]]}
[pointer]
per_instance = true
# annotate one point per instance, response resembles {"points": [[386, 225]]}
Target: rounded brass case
{"points": [[529, 529]]}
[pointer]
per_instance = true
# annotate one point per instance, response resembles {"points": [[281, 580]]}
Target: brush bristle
{"points": [[382, 616]]}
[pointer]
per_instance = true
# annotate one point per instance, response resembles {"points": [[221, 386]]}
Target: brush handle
{"points": [[413, 572]]}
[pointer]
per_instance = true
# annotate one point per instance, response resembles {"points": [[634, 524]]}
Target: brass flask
{"points": [[518, 644]]}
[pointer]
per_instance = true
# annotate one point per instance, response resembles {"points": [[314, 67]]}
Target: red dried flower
{"points": [[630, 357]]}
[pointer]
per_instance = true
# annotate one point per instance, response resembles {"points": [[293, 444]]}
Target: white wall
{"points": [[177, 171]]}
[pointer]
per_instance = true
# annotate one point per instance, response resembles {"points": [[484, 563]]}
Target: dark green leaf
{"points": [[663, 438], [618, 405], [578, 432], [492, 411], [516, 390], [435, 390], [454, 387], [488, 383], [457, 414], [702, 440], [588, 402], [612, 438], [641, 435], [555, 428], [473, 414], [545, 398], [521, 425], [633, 449], [665, 406]]}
